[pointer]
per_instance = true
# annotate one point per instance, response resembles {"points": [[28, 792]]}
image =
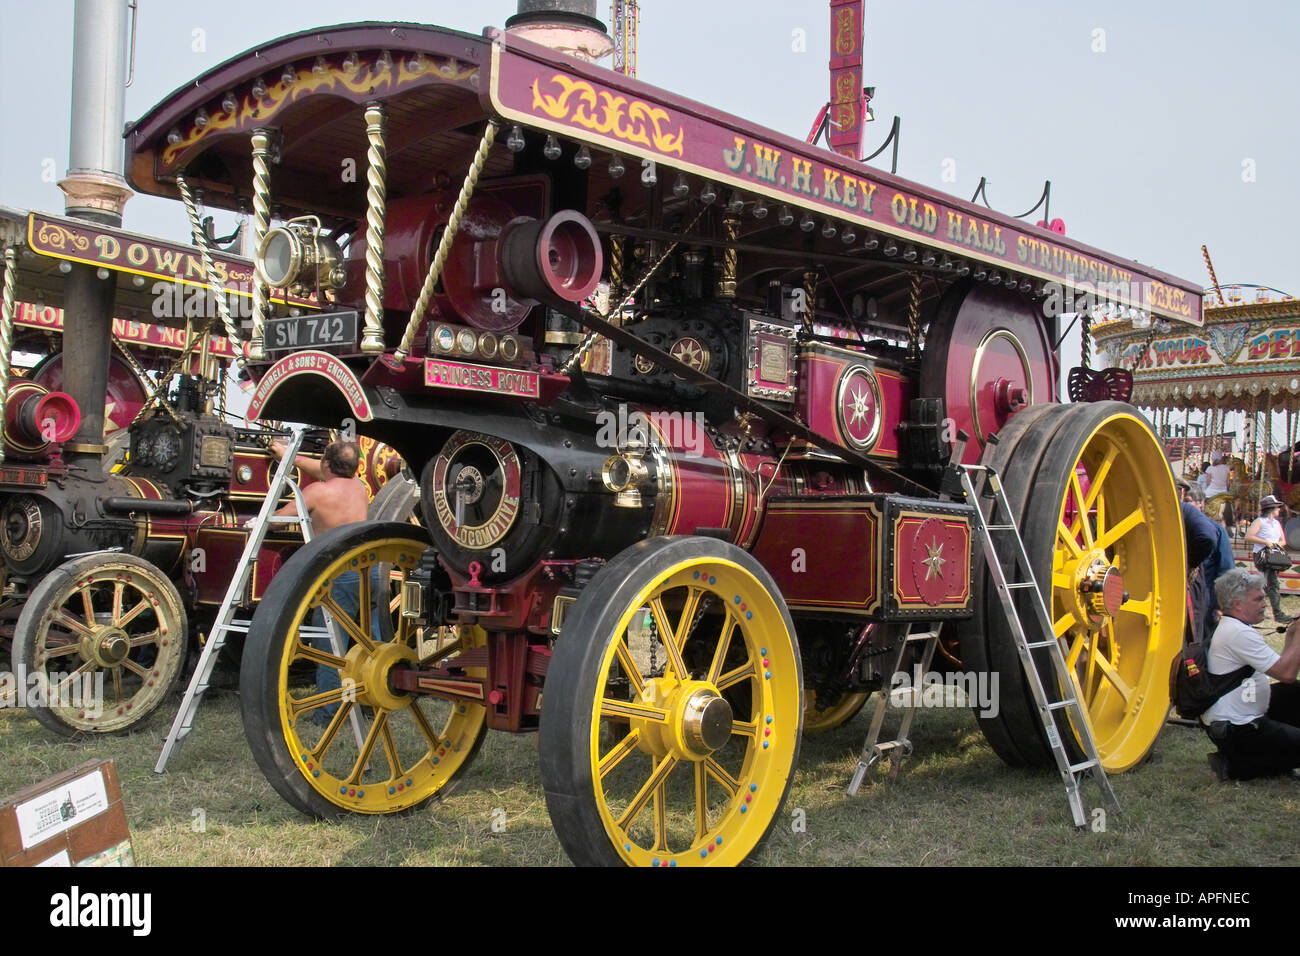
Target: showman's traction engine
{"points": [[680, 392]]}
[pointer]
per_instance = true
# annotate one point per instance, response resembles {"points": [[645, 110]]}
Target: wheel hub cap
{"points": [[1098, 590], [698, 719], [706, 722], [108, 646], [369, 670]]}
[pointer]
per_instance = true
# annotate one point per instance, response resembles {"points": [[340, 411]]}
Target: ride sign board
{"points": [[533, 85], [146, 334]]}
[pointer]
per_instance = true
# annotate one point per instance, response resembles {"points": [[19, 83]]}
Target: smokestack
{"points": [[95, 188], [569, 26], [95, 191]]}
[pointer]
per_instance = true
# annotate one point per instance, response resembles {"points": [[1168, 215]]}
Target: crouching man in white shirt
{"points": [[1255, 727]]}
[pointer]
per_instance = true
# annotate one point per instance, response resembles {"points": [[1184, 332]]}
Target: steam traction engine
{"points": [[675, 387]]}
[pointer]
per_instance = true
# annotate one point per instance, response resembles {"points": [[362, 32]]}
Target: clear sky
{"points": [[1162, 125]]}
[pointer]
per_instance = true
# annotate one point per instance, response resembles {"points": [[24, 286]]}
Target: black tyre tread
{"points": [[565, 727], [24, 642]]}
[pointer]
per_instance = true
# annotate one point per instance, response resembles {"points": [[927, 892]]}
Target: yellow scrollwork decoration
{"points": [[58, 237], [580, 104]]}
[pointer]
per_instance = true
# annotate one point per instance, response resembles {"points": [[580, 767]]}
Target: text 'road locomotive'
{"points": [[679, 392]]}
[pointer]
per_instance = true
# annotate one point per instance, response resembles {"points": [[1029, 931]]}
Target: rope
{"points": [[444, 244], [575, 359], [196, 228]]}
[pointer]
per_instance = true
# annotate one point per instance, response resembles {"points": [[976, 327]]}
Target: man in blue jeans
{"points": [[335, 497]]}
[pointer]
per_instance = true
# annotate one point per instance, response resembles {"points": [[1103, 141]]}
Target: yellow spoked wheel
{"points": [[835, 714], [672, 714], [1100, 513], [98, 644], [325, 724]]}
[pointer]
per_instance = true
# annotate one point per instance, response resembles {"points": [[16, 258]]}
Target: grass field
{"points": [[955, 803]]}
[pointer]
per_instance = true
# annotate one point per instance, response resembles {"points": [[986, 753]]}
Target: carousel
{"points": [[1229, 390]]}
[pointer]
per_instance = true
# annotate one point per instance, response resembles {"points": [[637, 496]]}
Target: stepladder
{"points": [[1018, 592], [237, 594], [899, 748]]}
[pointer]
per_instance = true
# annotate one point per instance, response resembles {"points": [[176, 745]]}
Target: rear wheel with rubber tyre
{"points": [[326, 726], [1098, 512], [672, 714]]}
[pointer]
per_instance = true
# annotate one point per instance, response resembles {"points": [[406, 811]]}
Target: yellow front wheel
{"points": [[322, 718], [820, 717], [673, 710]]}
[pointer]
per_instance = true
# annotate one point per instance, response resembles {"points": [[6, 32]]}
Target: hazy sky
{"points": [[1161, 125]]}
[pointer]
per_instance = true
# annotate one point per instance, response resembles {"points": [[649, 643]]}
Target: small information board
{"points": [[74, 818]]}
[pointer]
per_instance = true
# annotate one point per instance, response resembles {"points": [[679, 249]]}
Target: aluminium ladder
{"points": [[226, 623], [1071, 773]]}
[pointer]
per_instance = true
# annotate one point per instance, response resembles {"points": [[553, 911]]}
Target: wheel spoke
{"points": [[1062, 624], [656, 779], [627, 709], [299, 706], [61, 651], [118, 588], [132, 614], [71, 623], [693, 597], [1077, 647], [666, 638], [629, 666], [745, 671], [720, 652], [701, 800], [1129, 522], [719, 773], [345, 621], [426, 728], [305, 651], [1081, 515], [331, 731], [661, 818], [148, 637], [368, 747], [745, 728], [366, 624], [1097, 480], [135, 669], [390, 749], [1112, 675], [1066, 537], [87, 606], [117, 683], [624, 747], [1139, 606]]}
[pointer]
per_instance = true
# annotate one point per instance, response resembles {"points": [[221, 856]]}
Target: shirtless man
{"points": [[336, 497]]}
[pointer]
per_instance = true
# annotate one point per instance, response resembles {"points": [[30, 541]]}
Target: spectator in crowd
{"points": [[1265, 532], [1256, 727], [1218, 562], [1216, 478], [1202, 545]]}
